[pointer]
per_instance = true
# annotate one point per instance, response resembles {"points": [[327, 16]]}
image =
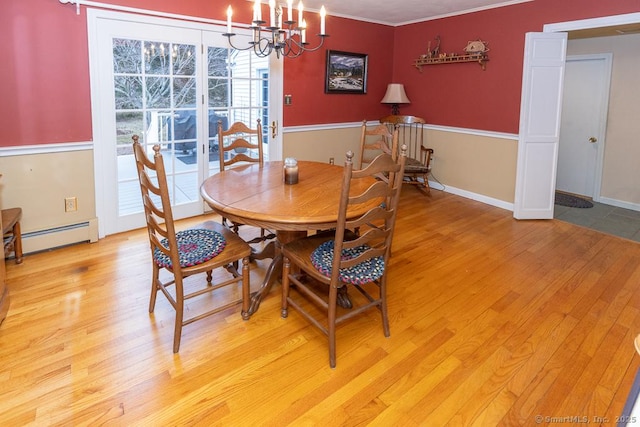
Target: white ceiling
{"points": [[402, 12]]}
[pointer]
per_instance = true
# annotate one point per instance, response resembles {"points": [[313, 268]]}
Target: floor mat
{"points": [[569, 200]]}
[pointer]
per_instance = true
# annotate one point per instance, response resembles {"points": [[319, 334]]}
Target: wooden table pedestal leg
{"points": [[274, 271]]}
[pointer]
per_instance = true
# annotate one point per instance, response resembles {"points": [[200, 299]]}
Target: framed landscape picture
{"points": [[346, 72]]}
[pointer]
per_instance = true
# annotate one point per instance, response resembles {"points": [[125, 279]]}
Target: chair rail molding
{"points": [[22, 150]]}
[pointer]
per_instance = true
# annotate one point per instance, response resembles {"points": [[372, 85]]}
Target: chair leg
{"points": [[427, 187], [331, 324], [383, 308], [154, 288], [246, 290], [17, 244], [286, 269], [177, 332]]}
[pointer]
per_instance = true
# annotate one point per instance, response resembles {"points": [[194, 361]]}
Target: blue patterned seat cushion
{"points": [[195, 246], [365, 272]]}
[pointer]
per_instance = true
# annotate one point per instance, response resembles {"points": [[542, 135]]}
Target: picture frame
{"points": [[346, 72]]}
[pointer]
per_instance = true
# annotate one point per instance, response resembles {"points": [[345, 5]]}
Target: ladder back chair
{"points": [[411, 133], [181, 254], [241, 144], [376, 140], [344, 259]]}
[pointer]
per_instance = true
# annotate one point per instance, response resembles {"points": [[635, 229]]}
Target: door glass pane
{"points": [[184, 62], [184, 92], [155, 92], [128, 92], [218, 93], [157, 58], [128, 54]]}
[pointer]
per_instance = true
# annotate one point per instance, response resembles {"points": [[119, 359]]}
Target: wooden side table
{"points": [[11, 232]]}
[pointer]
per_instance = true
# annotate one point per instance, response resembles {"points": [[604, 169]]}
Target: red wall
{"points": [[462, 95], [304, 76], [44, 82], [44, 79]]}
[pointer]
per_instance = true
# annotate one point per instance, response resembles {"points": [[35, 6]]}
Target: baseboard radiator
{"points": [[37, 241]]}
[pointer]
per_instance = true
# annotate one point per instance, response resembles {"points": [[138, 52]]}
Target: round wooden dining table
{"points": [[257, 195]]}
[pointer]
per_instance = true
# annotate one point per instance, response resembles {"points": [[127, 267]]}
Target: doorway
{"points": [[536, 167], [583, 124]]}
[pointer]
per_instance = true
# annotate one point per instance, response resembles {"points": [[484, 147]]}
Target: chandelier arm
{"points": [[229, 35], [289, 52], [263, 47], [292, 48], [313, 49]]}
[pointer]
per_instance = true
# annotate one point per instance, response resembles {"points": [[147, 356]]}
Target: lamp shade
{"points": [[395, 94]]}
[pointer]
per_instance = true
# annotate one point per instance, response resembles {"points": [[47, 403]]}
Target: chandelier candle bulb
{"points": [[289, 10], [272, 13], [257, 11], [303, 31], [229, 14], [323, 13], [300, 10]]}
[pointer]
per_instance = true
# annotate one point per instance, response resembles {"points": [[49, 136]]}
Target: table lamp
{"points": [[395, 95]]}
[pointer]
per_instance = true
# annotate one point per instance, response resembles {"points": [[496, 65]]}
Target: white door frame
{"points": [[276, 96]]}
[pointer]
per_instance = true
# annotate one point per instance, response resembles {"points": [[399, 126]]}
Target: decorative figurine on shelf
{"points": [[435, 52], [475, 51], [476, 47]]}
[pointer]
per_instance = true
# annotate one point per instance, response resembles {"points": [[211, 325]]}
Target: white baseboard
{"points": [[619, 203], [473, 196], [60, 236]]}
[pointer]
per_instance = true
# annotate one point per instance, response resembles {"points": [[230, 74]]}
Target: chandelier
{"points": [[285, 38]]}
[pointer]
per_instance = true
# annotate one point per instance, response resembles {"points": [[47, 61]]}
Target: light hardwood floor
{"points": [[493, 322]]}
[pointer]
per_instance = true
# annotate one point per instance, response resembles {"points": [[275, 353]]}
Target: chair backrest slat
{"points": [[236, 141], [376, 140]]}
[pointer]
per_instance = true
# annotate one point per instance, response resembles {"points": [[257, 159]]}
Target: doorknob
{"points": [[593, 139], [274, 129]]}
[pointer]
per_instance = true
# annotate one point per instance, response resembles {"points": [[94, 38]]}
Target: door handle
{"points": [[593, 139], [274, 129]]}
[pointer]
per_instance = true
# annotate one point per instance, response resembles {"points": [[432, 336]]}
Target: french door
{"points": [[169, 82]]}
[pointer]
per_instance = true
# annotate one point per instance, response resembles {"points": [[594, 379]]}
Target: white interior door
{"points": [[583, 124], [540, 112]]}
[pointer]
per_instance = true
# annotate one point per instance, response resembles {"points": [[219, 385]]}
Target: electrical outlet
{"points": [[331, 160], [70, 204]]}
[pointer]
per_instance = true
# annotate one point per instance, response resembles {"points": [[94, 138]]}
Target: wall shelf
{"points": [[452, 59]]}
